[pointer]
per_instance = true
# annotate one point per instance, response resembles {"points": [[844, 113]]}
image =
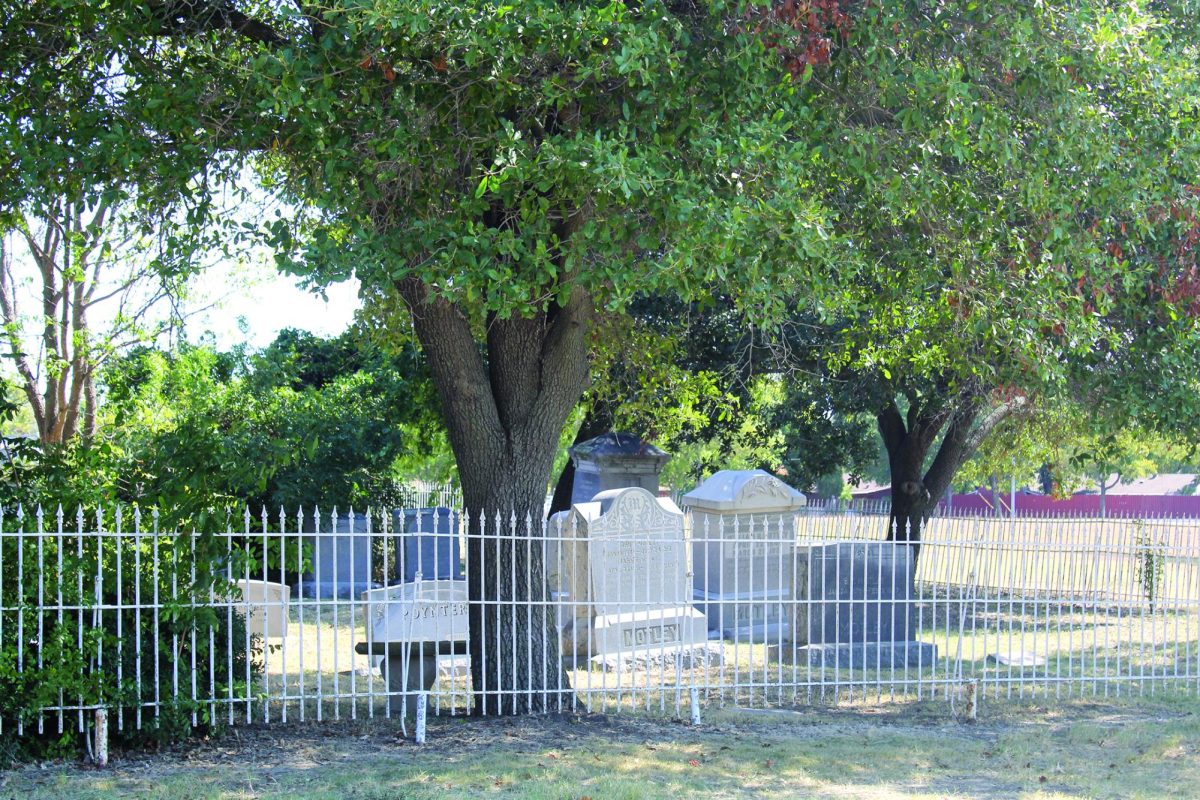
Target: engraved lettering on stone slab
{"points": [[649, 635], [433, 611]]}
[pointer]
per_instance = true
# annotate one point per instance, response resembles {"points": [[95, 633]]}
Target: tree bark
{"points": [[504, 406], [908, 439]]}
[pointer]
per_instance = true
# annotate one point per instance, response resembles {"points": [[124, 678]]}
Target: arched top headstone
{"points": [[739, 491], [634, 511]]}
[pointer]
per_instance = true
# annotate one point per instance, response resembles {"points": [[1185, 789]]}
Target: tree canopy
{"points": [[1018, 181]]}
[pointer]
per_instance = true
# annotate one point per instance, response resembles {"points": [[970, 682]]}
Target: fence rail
{"points": [[331, 616]]}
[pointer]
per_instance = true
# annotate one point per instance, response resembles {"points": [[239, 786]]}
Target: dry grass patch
{"points": [[1148, 748]]}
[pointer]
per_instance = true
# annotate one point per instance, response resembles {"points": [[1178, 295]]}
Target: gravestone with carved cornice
{"points": [[744, 554]]}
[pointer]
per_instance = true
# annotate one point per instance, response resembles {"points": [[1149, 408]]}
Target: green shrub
{"points": [[73, 636]]}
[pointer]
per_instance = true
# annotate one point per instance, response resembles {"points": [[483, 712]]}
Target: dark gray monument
{"points": [[857, 610], [428, 544], [339, 555], [615, 461]]}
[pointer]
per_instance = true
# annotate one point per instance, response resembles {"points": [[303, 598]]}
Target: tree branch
{"points": [[201, 16], [891, 427]]}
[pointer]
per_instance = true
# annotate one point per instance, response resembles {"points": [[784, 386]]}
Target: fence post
{"points": [[101, 734], [695, 699], [422, 706]]}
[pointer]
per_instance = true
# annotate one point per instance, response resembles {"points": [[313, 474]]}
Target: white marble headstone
{"points": [[265, 606], [425, 611], [623, 571]]}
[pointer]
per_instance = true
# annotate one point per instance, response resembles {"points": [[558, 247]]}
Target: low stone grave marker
{"points": [[408, 626], [856, 608]]}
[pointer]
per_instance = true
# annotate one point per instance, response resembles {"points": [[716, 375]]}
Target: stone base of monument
{"points": [[711, 654], [620, 635], [860, 655], [407, 678], [748, 618], [411, 668]]}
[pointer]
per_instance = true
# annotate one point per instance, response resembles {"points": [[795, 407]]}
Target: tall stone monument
{"points": [[618, 567], [615, 461], [744, 554]]}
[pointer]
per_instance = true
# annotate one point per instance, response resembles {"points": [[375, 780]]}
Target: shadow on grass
{"points": [[1144, 748]]}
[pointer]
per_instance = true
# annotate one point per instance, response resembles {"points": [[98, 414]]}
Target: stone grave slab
{"points": [[339, 558]]}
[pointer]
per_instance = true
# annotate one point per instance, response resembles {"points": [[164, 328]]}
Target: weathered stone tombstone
{"points": [[744, 554], [615, 461], [408, 626], [619, 573], [428, 544], [339, 557], [856, 608], [265, 606]]}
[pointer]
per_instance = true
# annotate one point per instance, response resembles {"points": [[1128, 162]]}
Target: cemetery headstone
{"points": [[339, 557], [744, 554], [615, 461], [428, 544], [856, 609], [620, 575], [265, 606], [408, 627]]}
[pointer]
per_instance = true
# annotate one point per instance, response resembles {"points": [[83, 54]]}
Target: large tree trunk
{"points": [[911, 498], [504, 410]]}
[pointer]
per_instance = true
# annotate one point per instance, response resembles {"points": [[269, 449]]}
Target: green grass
{"points": [[1146, 748]]}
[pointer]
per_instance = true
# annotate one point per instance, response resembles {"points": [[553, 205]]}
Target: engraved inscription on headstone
{"points": [[620, 573]]}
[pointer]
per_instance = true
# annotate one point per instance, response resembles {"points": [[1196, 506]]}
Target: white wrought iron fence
{"points": [[326, 615]]}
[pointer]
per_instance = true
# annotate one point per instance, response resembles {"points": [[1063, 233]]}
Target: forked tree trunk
{"points": [[504, 408], [911, 499], [908, 440]]}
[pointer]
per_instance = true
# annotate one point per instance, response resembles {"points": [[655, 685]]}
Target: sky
{"points": [[253, 302]]}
